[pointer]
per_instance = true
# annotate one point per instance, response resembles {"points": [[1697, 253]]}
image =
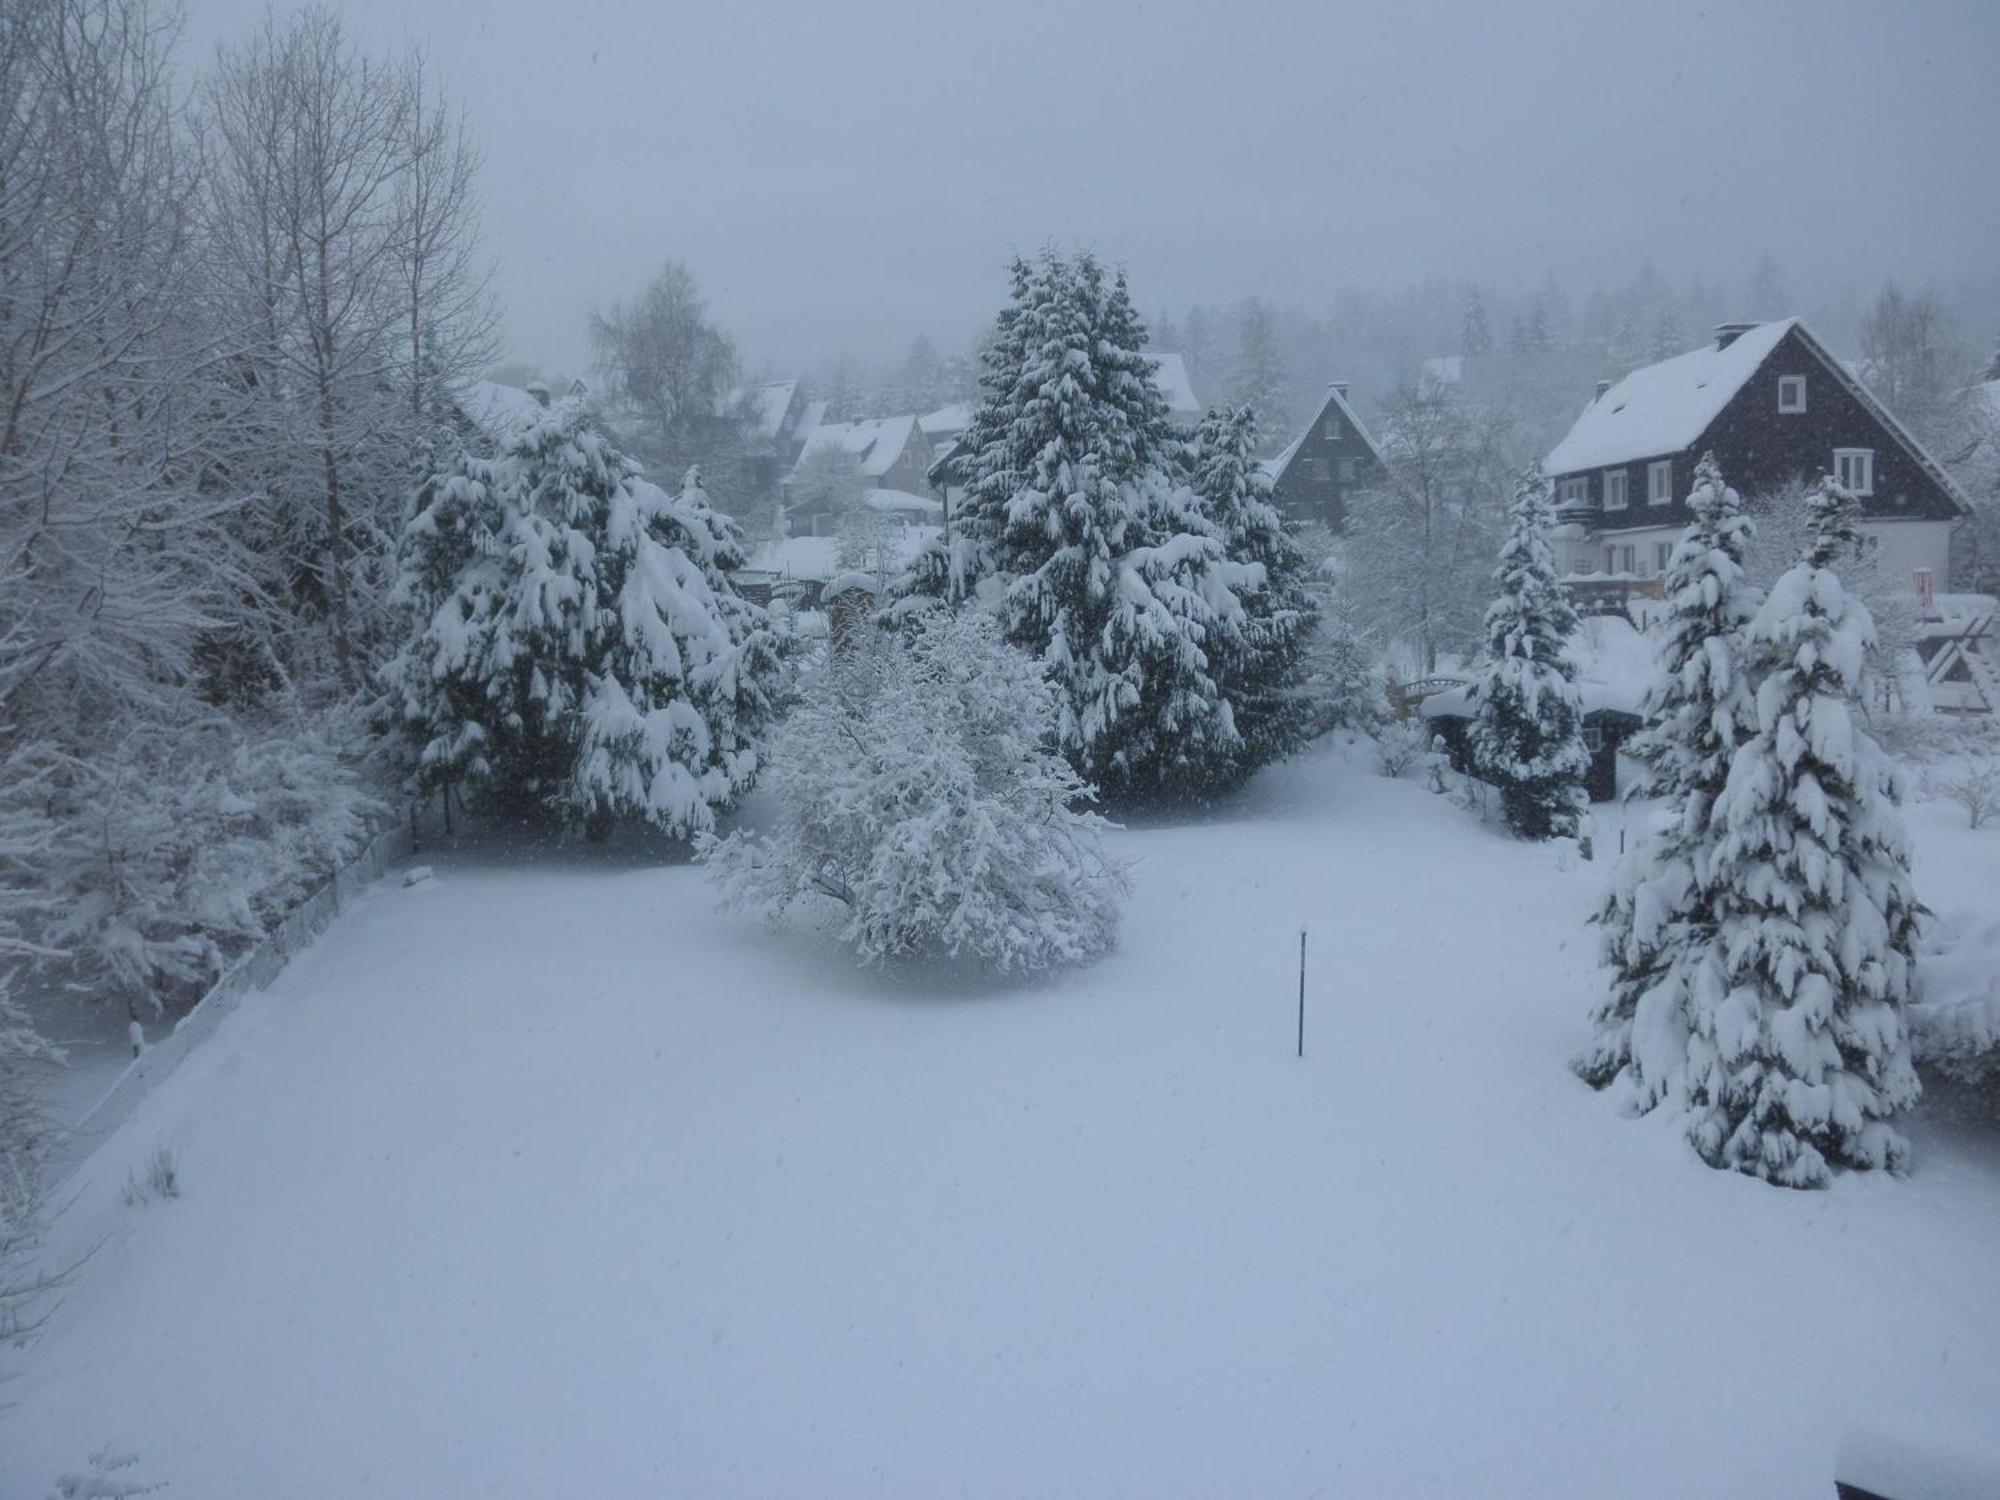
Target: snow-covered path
{"points": [[553, 1182]]}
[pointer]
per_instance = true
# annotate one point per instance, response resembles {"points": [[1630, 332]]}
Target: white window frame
{"points": [[1617, 489], [1573, 491], [1660, 482], [1791, 393], [1857, 465], [1629, 555], [1611, 559], [1663, 553]]}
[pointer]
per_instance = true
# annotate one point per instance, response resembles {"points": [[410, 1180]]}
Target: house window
{"points": [[1854, 470], [1660, 482], [1791, 393], [1348, 467], [1629, 556], [1333, 429], [1663, 553], [1614, 488], [1611, 559], [1320, 470], [1573, 492]]}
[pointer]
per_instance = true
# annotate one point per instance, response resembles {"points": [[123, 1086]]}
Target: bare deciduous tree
{"points": [[667, 361], [1417, 554], [451, 317]]}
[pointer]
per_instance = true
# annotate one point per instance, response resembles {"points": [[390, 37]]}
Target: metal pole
{"points": [[1302, 992]]}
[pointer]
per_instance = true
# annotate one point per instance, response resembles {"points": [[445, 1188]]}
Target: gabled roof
{"points": [[876, 443], [946, 421], [1170, 374], [1664, 408], [769, 403], [497, 410], [1335, 400], [901, 502]]}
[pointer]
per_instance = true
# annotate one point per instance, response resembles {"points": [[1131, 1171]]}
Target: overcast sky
{"points": [[848, 173]]}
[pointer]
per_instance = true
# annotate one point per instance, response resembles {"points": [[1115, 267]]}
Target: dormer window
{"points": [[1854, 470], [1791, 393], [1615, 493]]}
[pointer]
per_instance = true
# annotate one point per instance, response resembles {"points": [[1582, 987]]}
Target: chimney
{"points": [[1339, 388], [1728, 333], [1602, 387], [540, 392]]}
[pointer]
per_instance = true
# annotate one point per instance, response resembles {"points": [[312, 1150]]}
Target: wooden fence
{"points": [[253, 971]]}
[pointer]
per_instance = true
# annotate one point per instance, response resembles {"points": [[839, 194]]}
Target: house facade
{"points": [[1325, 465], [891, 453], [1775, 408]]}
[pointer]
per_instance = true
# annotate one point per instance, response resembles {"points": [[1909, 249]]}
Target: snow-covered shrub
{"points": [[577, 646], [1526, 730], [161, 1178], [181, 845], [25, 1137], [1955, 1027], [917, 797], [1401, 745], [107, 1478], [1437, 766], [1975, 786], [1800, 1053]]}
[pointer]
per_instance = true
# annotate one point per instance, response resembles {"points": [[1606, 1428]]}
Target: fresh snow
{"points": [[1663, 408], [543, 1178], [817, 558], [876, 442], [903, 503], [498, 410], [1170, 374]]}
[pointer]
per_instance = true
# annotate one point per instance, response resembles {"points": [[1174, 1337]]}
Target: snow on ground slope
{"points": [[548, 1181]]}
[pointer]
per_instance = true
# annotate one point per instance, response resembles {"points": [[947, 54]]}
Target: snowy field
{"points": [[550, 1181]]}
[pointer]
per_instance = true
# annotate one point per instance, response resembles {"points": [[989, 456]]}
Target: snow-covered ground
{"points": [[547, 1180]]}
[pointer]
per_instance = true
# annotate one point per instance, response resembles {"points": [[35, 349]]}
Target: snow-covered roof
{"points": [[1170, 374], [1614, 663], [1336, 396], [816, 558], [1664, 408], [769, 403], [901, 502], [876, 442], [498, 410], [946, 421]]}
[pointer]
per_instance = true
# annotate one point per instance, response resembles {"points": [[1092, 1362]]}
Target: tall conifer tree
{"points": [[1659, 919], [1527, 723], [1803, 1060]]}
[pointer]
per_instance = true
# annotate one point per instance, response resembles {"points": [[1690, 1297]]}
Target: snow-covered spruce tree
{"points": [[1804, 1058], [1078, 534], [577, 644], [1266, 672], [1658, 920], [918, 797], [1527, 724]]}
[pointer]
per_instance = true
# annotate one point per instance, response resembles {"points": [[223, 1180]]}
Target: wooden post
{"points": [[1302, 992]]}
